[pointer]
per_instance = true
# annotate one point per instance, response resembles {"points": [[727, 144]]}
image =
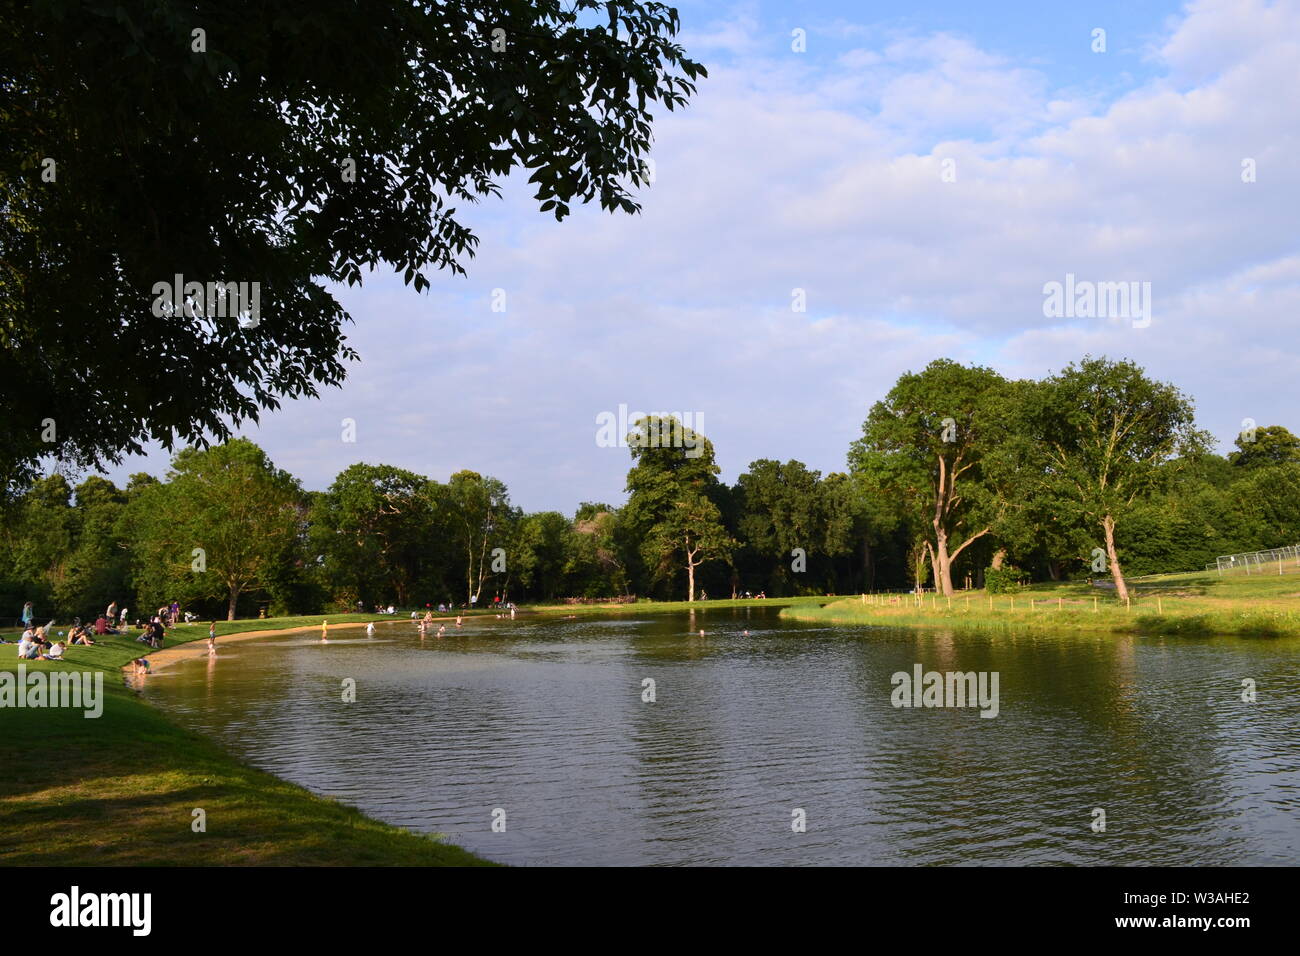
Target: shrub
{"points": [[1003, 580]]}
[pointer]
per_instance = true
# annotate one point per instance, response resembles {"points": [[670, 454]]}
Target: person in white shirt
{"points": [[55, 653], [25, 646], [370, 629]]}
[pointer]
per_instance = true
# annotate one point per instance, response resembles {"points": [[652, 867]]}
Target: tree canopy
{"points": [[287, 146]]}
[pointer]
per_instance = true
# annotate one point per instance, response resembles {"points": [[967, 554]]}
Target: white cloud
{"points": [[824, 175]]}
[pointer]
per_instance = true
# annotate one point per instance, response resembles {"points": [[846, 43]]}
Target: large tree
{"points": [[293, 145], [478, 509], [937, 443], [1263, 447], [225, 523], [673, 505], [375, 529], [1107, 436]]}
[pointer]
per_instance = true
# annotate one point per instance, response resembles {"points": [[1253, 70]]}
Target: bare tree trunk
{"points": [[234, 599], [1112, 556], [999, 558], [690, 572]]}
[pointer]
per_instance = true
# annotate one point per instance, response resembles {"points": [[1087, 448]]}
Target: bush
{"points": [[1003, 580]]}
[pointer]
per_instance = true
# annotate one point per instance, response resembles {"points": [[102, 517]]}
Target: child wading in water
{"points": [[212, 638], [324, 631]]}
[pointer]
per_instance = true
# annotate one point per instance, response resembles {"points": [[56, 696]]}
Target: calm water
{"points": [[545, 719]]}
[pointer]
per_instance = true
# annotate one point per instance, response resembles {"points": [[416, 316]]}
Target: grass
{"points": [[1192, 603], [121, 789]]}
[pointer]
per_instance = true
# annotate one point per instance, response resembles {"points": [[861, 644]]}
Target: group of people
{"points": [[34, 646]]}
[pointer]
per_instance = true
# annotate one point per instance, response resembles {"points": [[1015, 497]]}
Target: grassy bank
{"points": [[121, 789], [1190, 603]]}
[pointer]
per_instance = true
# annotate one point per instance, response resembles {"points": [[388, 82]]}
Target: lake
{"points": [[747, 736]]}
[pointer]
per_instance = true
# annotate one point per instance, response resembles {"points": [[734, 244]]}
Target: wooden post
{"points": [[950, 602], [1128, 604], [1160, 606], [1060, 604], [1094, 604], [1031, 604]]}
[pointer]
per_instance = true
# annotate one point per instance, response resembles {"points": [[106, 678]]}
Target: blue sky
{"points": [[822, 171]]}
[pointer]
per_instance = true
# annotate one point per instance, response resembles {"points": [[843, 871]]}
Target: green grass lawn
{"points": [[121, 789], [1187, 603]]}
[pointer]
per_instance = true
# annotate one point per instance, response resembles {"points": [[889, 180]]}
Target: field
{"points": [[1187, 603]]}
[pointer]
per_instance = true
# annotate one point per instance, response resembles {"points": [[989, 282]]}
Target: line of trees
{"points": [[1096, 470]]}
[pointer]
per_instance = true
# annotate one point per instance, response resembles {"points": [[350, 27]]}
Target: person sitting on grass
{"points": [[55, 652], [25, 647]]}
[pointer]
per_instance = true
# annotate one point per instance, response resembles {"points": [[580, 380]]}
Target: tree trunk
{"points": [[999, 558], [690, 572], [1121, 589], [942, 561], [234, 598]]}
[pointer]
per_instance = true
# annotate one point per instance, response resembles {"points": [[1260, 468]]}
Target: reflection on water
{"points": [[545, 719]]}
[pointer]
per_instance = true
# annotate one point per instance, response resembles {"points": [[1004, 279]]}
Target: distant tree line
{"points": [[1095, 471]]}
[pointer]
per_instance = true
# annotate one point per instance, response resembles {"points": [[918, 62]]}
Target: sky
{"points": [[914, 176]]}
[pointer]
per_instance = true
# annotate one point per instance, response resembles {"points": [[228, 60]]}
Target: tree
{"points": [[786, 506], [596, 561], [375, 529], [223, 524], [1106, 436], [931, 443], [1262, 447], [672, 509], [780, 510], [477, 506], [286, 145]]}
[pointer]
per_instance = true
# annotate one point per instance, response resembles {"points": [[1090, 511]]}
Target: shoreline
{"points": [[137, 773], [198, 647]]}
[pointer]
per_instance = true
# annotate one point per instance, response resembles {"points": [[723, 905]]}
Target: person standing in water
{"points": [[324, 631], [458, 620], [370, 629], [212, 638]]}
